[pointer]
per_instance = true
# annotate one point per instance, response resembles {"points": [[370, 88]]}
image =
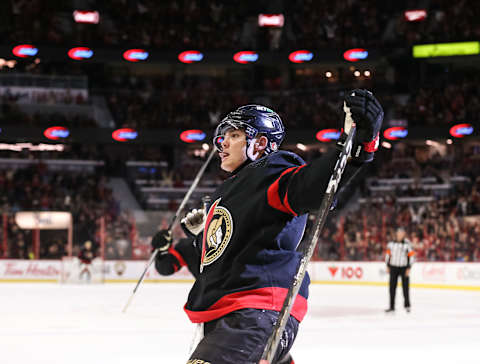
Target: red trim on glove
{"points": [[177, 255], [371, 146]]}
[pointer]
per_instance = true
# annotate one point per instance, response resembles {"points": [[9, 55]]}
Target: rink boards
{"points": [[428, 275]]}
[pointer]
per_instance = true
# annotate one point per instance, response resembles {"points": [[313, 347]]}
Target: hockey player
{"points": [[244, 254], [86, 256]]}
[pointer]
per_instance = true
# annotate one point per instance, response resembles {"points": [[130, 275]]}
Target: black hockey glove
{"points": [[367, 113], [162, 241]]}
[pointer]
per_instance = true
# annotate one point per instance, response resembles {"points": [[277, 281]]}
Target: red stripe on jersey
{"points": [[177, 255], [287, 206], [207, 223], [268, 298], [273, 197], [285, 200]]}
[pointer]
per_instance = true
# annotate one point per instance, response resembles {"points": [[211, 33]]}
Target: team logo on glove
{"points": [[217, 233]]}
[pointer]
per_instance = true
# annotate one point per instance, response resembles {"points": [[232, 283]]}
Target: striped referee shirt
{"points": [[399, 254]]}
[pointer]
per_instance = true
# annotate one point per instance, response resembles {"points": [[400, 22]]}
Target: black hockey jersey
{"points": [[86, 256], [247, 253]]}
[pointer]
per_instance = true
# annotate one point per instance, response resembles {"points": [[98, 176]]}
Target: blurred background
{"points": [[107, 111]]}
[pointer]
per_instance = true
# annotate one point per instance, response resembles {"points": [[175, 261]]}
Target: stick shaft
{"points": [[191, 189], [140, 280]]}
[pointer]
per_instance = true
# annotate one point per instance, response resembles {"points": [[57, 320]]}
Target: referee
{"points": [[399, 259]]}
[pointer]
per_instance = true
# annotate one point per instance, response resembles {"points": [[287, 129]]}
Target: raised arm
{"points": [[300, 189]]}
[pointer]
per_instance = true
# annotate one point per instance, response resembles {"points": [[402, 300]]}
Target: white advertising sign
{"points": [[132, 270], [43, 219], [433, 274], [29, 270], [441, 275], [348, 271]]}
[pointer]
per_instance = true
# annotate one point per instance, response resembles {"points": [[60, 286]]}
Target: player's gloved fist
{"points": [[367, 113], [162, 241], [193, 223]]}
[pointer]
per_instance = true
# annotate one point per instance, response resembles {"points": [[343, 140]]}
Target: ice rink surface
{"points": [[78, 324]]}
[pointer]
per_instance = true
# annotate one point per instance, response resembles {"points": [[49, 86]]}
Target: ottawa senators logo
{"points": [[197, 361], [217, 233]]}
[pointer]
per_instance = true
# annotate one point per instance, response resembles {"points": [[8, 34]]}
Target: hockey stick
{"points": [[274, 339], [172, 222]]}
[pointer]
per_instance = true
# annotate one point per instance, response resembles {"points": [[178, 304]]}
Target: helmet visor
{"points": [[222, 129]]}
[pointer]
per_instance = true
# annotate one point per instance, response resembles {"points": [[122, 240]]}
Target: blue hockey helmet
{"points": [[254, 120]]}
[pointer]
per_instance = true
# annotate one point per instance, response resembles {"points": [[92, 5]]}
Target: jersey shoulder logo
{"points": [[216, 234]]}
